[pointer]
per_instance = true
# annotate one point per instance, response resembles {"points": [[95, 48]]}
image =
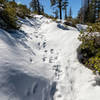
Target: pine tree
{"points": [[36, 6], [70, 13], [33, 5], [59, 5], [80, 16], [42, 10], [65, 4], [91, 10], [56, 13], [98, 9]]}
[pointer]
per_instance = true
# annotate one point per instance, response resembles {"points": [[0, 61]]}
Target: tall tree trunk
{"points": [[95, 12], [88, 5], [39, 12], [65, 13], [98, 4], [60, 9]]}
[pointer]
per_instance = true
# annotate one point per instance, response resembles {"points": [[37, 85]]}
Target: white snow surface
{"points": [[81, 27], [39, 62]]}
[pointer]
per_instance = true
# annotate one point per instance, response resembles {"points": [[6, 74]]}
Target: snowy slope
{"points": [[39, 62]]}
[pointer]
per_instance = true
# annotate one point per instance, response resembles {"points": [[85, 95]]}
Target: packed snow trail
{"points": [[39, 62]]}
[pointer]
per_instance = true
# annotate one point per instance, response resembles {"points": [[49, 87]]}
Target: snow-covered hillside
{"points": [[39, 62]]}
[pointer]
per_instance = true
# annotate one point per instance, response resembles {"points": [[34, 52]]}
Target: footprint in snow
{"points": [[51, 51], [45, 51], [39, 45], [34, 88], [59, 96], [30, 59], [28, 93], [57, 70], [56, 57], [51, 60], [44, 59], [44, 44], [36, 36]]}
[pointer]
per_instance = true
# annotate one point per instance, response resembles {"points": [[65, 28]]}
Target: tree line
{"points": [[90, 11], [58, 6]]}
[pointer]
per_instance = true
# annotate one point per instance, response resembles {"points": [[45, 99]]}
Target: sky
{"points": [[74, 4]]}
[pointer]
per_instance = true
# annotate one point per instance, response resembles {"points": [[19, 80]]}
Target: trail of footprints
{"points": [[49, 56], [52, 57]]}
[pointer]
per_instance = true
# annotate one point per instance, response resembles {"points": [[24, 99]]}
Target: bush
{"points": [[10, 12], [8, 15], [2, 1], [49, 16], [94, 27], [71, 22], [12, 4], [23, 11], [94, 63], [90, 47]]}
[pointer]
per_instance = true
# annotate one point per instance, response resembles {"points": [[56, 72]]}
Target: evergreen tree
{"points": [[56, 13], [98, 9], [33, 5], [36, 6], [70, 13], [59, 5], [42, 9], [65, 4], [80, 15], [91, 10]]}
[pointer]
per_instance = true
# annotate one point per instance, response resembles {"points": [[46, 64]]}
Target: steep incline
{"points": [[39, 62]]}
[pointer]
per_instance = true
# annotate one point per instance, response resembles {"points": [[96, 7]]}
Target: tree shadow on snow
{"points": [[15, 37], [62, 27], [26, 87]]}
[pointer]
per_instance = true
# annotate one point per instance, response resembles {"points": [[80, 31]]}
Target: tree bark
{"points": [[60, 9]]}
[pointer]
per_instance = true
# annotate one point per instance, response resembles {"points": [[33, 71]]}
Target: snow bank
{"points": [[81, 27], [22, 73]]}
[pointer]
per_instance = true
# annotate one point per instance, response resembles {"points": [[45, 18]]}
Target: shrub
{"points": [[94, 27], [2, 1], [23, 11], [71, 22], [9, 16], [90, 47], [10, 12], [12, 4], [94, 63], [49, 16]]}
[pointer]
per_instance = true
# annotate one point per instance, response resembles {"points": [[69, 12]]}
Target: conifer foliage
{"points": [[90, 11], [36, 6], [61, 5]]}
